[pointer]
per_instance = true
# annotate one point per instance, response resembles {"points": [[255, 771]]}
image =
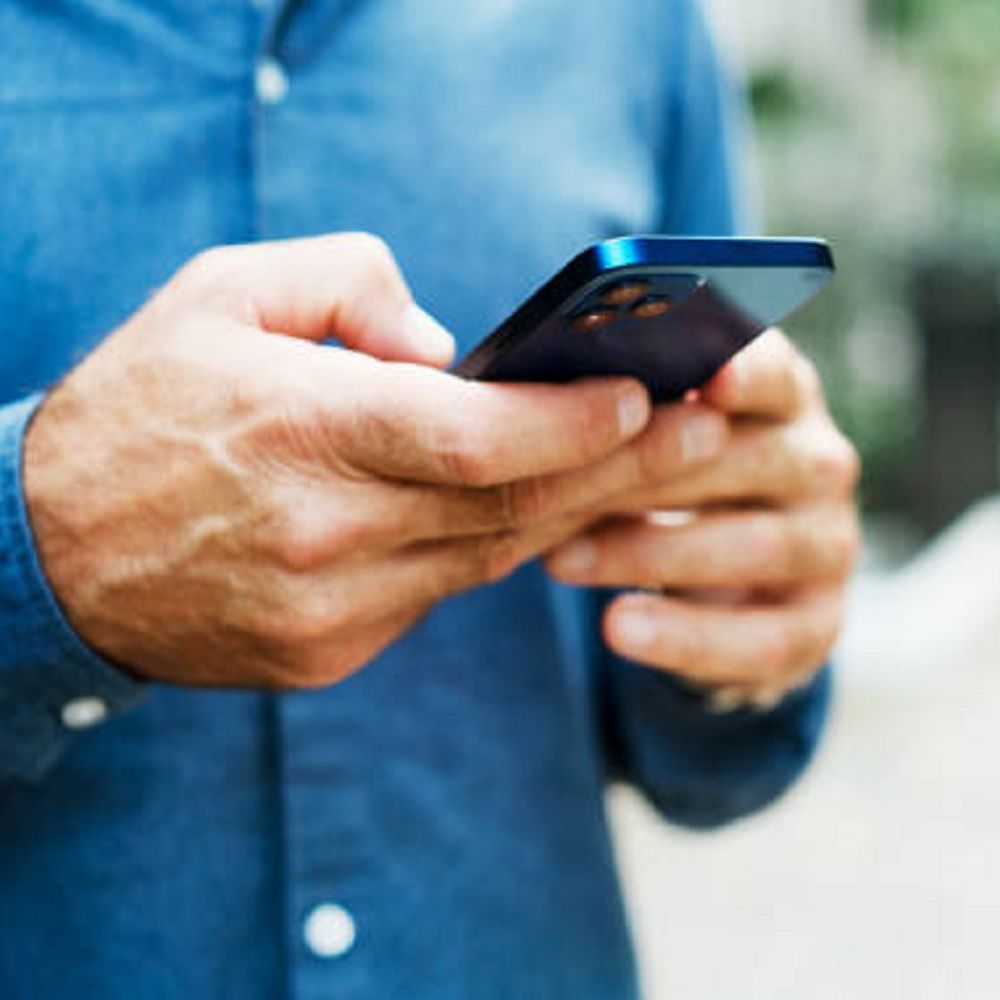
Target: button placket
{"points": [[83, 713], [329, 931], [270, 81]]}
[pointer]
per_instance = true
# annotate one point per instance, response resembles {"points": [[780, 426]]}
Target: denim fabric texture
{"points": [[450, 796]]}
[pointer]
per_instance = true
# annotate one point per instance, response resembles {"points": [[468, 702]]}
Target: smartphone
{"points": [[668, 311]]}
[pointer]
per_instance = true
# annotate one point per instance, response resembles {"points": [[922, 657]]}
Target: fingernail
{"points": [[702, 437], [575, 558], [433, 340], [633, 410], [767, 699], [636, 629], [725, 701]]}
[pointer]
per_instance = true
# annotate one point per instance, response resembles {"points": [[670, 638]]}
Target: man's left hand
{"points": [[743, 559]]}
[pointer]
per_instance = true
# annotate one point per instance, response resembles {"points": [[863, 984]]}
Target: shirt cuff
{"points": [[51, 683], [701, 768]]}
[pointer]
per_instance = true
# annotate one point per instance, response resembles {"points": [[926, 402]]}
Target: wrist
{"points": [[51, 682], [58, 467]]}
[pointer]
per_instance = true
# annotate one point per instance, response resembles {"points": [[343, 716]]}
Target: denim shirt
{"points": [[434, 826]]}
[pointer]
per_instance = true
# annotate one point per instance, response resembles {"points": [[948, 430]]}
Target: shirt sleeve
{"points": [[702, 769], [51, 684]]}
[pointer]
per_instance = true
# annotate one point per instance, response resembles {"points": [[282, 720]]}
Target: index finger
{"points": [[414, 423], [770, 379]]}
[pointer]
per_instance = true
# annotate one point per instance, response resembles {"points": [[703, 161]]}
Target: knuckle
{"points": [[370, 267], [213, 278], [302, 540], [370, 248], [376, 260], [204, 267], [522, 503], [835, 464], [294, 543], [463, 455]]}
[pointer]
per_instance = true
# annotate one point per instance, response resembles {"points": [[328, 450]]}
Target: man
{"points": [[405, 798]]}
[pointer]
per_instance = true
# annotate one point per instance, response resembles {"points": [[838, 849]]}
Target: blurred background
{"points": [[878, 126]]}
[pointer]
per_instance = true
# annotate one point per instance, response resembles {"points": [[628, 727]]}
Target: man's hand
{"points": [[219, 502], [745, 565]]}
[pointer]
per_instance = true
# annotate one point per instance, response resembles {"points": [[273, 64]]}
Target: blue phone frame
{"points": [[673, 353]]}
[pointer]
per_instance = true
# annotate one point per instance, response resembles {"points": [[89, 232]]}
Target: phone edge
{"points": [[623, 252]]}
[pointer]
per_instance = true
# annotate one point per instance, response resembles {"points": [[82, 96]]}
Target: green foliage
{"points": [[901, 16], [776, 97], [902, 156]]}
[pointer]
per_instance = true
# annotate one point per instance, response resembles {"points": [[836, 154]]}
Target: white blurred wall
{"points": [[879, 877]]}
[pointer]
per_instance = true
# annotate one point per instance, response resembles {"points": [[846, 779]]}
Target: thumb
{"points": [[347, 286]]}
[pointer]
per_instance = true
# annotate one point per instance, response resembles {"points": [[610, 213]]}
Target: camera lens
{"points": [[622, 293], [592, 319], [652, 306]]}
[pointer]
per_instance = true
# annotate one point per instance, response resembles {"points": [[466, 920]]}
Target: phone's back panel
{"points": [[624, 310]]}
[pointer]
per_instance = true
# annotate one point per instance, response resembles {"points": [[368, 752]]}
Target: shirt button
{"points": [[83, 713], [329, 931], [270, 82]]}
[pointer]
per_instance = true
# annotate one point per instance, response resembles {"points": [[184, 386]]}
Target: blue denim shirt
{"points": [[433, 827]]}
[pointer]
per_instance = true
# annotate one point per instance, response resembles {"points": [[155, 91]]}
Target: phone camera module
{"points": [[652, 307], [591, 320], [623, 293]]}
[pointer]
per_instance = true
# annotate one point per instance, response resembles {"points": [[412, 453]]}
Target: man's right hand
{"points": [[219, 502]]}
